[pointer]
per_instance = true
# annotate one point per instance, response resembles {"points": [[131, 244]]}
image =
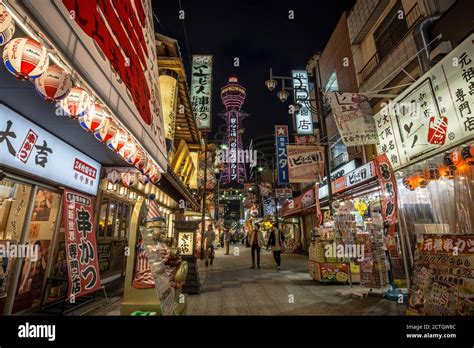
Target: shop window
{"points": [[103, 216]]}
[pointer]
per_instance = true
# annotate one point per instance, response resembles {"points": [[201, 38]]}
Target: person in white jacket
{"points": [[256, 243]]}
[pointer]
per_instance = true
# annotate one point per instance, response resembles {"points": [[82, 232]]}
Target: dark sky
{"points": [[261, 35]]}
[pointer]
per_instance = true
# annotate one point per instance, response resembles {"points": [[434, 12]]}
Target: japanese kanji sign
{"points": [[186, 243], [434, 114], [281, 139], [303, 118], [26, 147], [354, 119], [388, 188], [81, 248], [201, 90], [305, 163]]}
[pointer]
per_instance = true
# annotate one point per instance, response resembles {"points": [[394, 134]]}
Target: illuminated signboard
{"points": [[281, 138], [434, 114], [201, 90], [233, 158], [303, 118]]}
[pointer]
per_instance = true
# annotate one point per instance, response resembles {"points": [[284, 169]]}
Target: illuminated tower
{"points": [[233, 96]]}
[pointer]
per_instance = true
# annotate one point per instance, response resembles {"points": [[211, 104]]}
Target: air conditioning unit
{"points": [[440, 51]]}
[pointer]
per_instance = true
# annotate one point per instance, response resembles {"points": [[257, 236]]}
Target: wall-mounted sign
{"points": [[283, 193], [27, 147], [201, 90], [281, 140], [111, 44], [435, 113], [353, 115], [305, 163], [303, 118], [169, 101], [355, 177], [233, 155], [336, 174]]}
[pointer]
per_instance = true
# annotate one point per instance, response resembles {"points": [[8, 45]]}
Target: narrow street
{"points": [[231, 287]]}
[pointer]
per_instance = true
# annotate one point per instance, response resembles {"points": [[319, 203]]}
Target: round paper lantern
{"points": [[148, 167], [113, 177], [136, 156], [95, 119], [422, 182], [128, 179], [456, 158], [25, 58], [431, 172], [118, 141], [54, 84], [143, 179], [141, 164], [468, 154], [7, 26], [77, 103], [154, 175], [446, 171], [128, 150], [108, 131]]}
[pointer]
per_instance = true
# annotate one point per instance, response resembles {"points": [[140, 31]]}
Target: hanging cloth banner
{"points": [[354, 118], [81, 247], [388, 188], [317, 205]]}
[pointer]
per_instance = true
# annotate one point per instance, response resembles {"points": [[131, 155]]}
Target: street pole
{"points": [[324, 134], [203, 221], [274, 192]]}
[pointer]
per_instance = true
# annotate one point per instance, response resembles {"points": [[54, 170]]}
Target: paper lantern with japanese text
{"points": [[143, 179], [468, 154], [142, 163], [154, 175], [128, 150], [446, 171], [129, 179], [148, 167], [25, 58], [54, 84], [108, 131], [113, 177], [77, 103], [95, 119], [136, 155], [118, 141], [431, 172], [7, 26]]}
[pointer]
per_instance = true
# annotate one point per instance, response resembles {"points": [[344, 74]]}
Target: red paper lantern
{"points": [[128, 150], [431, 172], [118, 141], [25, 58], [107, 132], [468, 154], [142, 163], [446, 171], [129, 179], [143, 179], [77, 103], [456, 158], [113, 177], [54, 84], [7, 26], [148, 167], [136, 155], [154, 175], [95, 119]]}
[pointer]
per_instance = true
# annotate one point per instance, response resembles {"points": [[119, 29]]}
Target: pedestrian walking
{"points": [[256, 242], [210, 238], [276, 241], [227, 239]]}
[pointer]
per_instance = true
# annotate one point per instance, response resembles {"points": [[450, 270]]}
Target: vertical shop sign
{"points": [[281, 138], [304, 119], [388, 188], [201, 87], [81, 247]]}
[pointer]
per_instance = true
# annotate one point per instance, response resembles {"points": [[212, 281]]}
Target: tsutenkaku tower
{"points": [[233, 96]]}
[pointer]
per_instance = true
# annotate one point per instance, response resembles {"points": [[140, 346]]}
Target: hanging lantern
{"points": [[108, 131], [411, 182], [54, 84], [136, 155], [25, 58], [154, 175], [422, 182], [148, 167], [113, 177], [468, 155], [141, 164], [431, 172], [7, 26], [129, 179], [95, 119], [118, 141], [128, 150], [143, 179], [446, 171], [456, 158], [77, 103]]}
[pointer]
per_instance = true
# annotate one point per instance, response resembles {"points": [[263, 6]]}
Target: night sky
{"points": [[261, 35]]}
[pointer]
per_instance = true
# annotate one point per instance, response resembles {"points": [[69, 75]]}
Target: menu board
{"points": [[443, 276]]}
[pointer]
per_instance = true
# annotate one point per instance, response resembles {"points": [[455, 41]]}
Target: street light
{"points": [[271, 84], [283, 95]]}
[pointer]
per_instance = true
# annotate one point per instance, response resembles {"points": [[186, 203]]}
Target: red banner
{"points": [[81, 247], [388, 188], [319, 215]]}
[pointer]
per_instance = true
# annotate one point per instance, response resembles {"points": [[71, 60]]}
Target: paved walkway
{"points": [[231, 287]]}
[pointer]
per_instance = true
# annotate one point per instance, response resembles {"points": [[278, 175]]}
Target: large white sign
{"points": [[201, 90], [112, 45], [354, 119], [27, 147], [435, 113], [303, 118]]}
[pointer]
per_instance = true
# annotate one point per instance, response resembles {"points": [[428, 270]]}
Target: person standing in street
{"points": [[275, 241], [210, 238], [256, 242], [227, 238]]}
